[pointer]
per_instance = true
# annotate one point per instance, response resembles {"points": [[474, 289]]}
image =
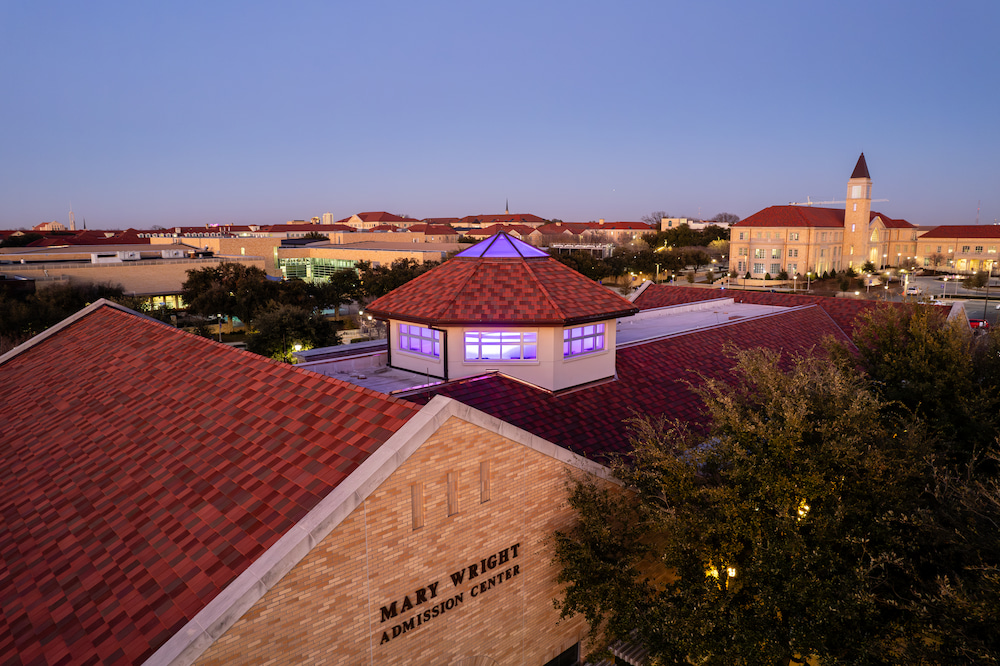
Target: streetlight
{"points": [[868, 281], [794, 278], [657, 274], [220, 326]]}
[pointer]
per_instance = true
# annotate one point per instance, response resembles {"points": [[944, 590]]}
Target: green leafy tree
{"points": [[758, 542], [868, 267], [919, 362], [229, 288], [282, 327], [377, 281]]}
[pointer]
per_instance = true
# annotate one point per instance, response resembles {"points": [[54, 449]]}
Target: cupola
{"points": [[503, 305]]}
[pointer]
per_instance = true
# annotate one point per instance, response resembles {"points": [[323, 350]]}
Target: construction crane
{"points": [[810, 202]]}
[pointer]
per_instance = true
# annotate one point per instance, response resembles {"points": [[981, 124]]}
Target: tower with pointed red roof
{"points": [[857, 214], [503, 305]]}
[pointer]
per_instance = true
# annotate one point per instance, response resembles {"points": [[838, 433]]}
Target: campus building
{"points": [[171, 500], [801, 239]]}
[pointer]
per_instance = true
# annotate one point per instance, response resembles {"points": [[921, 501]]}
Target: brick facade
{"points": [[335, 605]]}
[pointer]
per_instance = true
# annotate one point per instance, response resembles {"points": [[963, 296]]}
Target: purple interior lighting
{"points": [[502, 245]]}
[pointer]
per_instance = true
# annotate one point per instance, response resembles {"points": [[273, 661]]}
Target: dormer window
{"points": [[420, 340], [583, 340], [501, 346]]}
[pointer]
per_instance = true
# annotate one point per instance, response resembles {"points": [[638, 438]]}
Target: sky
{"points": [[138, 114]]}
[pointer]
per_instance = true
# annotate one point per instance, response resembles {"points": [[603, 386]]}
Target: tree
{"points": [[760, 541], [921, 363], [727, 219], [654, 218], [936, 259], [377, 281], [868, 267], [315, 235], [230, 289], [21, 240], [282, 327], [976, 281]]}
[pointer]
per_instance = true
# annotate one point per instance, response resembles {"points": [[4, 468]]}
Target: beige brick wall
{"points": [[328, 608]]}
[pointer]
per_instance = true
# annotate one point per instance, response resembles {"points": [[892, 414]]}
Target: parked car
{"points": [[979, 325], [914, 290]]}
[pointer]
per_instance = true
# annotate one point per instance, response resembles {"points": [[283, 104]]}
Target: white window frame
{"points": [[584, 340], [420, 340], [499, 346]]}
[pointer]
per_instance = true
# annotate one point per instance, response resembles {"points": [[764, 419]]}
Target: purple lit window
{"points": [[500, 346], [583, 340], [420, 340]]}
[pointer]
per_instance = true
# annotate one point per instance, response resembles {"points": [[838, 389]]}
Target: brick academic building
{"points": [[171, 500]]}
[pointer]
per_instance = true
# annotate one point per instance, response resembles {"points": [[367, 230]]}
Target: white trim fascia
{"points": [[191, 641]]}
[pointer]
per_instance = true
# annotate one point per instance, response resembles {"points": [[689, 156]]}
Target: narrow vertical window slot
{"points": [[484, 481], [452, 493], [417, 504]]}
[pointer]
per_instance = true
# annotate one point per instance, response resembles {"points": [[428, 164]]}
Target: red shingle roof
{"points": [[519, 229], [964, 231], [144, 468], [465, 290], [843, 311], [808, 216], [652, 379]]}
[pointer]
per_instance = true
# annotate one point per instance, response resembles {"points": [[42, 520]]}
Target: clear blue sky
{"points": [[142, 114]]}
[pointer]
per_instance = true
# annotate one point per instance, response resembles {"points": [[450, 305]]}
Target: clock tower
{"points": [[857, 215]]}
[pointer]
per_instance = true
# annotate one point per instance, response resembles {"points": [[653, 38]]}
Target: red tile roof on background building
{"points": [[964, 231], [843, 311], [514, 229], [652, 378], [376, 216], [504, 218], [433, 229], [144, 468], [809, 216], [306, 226], [466, 290]]}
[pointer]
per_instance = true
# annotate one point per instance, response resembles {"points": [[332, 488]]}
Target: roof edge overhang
{"points": [[566, 321], [219, 615]]}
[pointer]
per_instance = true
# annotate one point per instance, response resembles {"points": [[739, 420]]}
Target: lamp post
{"points": [[794, 282], [989, 278], [657, 281], [809, 275], [868, 281], [220, 327]]}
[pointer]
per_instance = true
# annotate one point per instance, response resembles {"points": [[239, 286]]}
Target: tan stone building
{"points": [[962, 248], [804, 239], [155, 272]]}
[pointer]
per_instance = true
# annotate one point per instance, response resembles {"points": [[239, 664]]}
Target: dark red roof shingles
{"points": [[500, 290], [843, 311], [652, 378], [144, 468], [810, 216]]}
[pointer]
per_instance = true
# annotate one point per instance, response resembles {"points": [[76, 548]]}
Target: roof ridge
{"points": [[72, 319], [541, 288]]}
